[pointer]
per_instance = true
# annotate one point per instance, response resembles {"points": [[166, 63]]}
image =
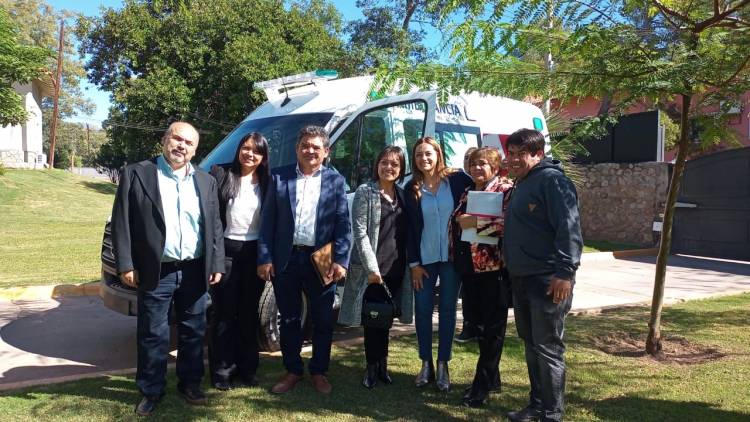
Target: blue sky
{"points": [[92, 7]]}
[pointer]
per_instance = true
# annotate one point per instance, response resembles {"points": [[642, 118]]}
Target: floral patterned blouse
{"points": [[472, 258]]}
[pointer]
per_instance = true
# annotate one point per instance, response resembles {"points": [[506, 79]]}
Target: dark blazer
{"points": [[277, 217], [458, 182], [138, 229]]}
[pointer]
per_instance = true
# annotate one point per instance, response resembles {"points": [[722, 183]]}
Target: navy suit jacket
{"points": [[277, 218]]}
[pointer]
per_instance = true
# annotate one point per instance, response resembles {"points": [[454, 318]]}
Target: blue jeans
{"points": [[185, 287], [541, 324], [297, 278], [424, 302]]}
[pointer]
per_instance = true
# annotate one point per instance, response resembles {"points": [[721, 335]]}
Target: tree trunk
{"points": [[653, 342]]}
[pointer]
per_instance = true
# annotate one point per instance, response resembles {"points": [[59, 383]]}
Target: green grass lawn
{"points": [[601, 387], [604, 246], [51, 225]]}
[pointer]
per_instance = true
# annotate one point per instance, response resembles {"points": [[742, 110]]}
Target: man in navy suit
{"points": [[304, 208]]}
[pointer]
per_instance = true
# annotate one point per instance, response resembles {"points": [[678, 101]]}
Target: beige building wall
{"points": [[20, 145]]}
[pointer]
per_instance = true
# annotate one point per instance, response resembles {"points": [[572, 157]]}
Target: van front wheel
{"points": [[270, 320]]}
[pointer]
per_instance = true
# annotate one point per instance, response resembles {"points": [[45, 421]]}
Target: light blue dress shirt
{"points": [[436, 213], [182, 213]]}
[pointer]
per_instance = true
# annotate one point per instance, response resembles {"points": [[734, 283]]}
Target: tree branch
{"points": [[596, 9], [737, 72], [669, 12], [717, 18]]}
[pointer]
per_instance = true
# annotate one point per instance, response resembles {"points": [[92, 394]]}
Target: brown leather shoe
{"points": [[320, 382], [286, 384]]}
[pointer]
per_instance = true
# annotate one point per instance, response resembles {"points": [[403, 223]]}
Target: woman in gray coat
{"points": [[380, 228]]}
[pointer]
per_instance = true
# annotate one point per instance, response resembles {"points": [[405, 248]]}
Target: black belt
{"points": [[303, 248], [178, 265]]}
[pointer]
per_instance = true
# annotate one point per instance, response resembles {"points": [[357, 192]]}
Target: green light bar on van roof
{"points": [[300, 78], [538, 124]]}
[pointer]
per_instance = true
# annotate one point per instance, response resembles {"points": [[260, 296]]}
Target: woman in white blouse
{"points": [[233, 344]]}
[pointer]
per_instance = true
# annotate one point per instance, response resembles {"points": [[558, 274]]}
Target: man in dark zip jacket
{"points": [[542, 251]]}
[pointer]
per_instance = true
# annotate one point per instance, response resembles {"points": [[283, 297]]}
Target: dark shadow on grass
{"points": [[638, 409], [106, 188]]}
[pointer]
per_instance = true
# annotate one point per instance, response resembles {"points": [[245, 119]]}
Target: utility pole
{"points": [[548, 60], [58, 77]]}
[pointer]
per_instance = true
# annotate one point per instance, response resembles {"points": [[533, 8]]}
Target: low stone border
{"points": [[605, 256], [51, 291]]}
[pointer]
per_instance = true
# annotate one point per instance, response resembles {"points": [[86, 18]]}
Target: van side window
{"points": [[343, 154], [398, 124], [455, 140], [374, 139]]}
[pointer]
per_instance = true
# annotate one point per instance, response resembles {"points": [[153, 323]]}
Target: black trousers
{"points": [[289, 285], [541, 325], [233, 345], [486, 300], [376, 339]]}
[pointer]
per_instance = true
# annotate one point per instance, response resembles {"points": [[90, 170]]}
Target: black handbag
{"points": [[380, 314]]}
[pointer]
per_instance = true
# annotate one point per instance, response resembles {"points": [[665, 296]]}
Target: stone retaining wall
{"points": [[620, 202]]}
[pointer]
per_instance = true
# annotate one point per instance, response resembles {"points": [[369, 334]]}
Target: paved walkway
{"points": [[52, 340]]}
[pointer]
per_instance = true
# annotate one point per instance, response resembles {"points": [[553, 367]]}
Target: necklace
{"points": [[390, 199]]}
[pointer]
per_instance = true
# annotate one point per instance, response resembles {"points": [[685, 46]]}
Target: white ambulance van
{"points": [[360, 126]]}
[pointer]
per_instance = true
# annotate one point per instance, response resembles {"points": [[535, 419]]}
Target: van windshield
{"points": [[280, 131]]}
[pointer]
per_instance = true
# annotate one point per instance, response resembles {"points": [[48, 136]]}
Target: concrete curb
{"points": [[606, 256], [51, 291]]}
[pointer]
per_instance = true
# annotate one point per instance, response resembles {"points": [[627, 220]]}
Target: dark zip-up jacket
{"points": [[542, 224]]}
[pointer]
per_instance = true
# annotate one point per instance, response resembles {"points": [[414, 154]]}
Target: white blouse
{"points": [[243, 212]]}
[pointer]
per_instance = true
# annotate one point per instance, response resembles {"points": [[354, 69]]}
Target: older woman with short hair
{"points": [[486, 295]]}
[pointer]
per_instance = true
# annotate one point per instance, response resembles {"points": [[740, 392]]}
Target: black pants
{"points": [[376, 339], [541, 324], [182, 286], [233, 343], [289, 285], [486, 300]]}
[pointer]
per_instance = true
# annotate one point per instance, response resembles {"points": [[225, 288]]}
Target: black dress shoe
{"points": [[193, 395], [147, 405], [475, 397], [250, 381], [371, 376], [222, 385], [527, 414], [383, 372]]}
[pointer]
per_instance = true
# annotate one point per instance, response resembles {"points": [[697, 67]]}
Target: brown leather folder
{"points": [[322, 260]]}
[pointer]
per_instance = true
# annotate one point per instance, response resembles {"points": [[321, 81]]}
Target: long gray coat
{"points": [[365, 229]]}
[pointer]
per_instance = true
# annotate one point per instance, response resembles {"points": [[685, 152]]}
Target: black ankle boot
{"points": [[443, 378], [426, 375], [383, 371], [371, 376]]}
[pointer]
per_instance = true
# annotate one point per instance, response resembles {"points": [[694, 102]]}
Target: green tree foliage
{"points": [[385, 34], [197, 60], [696, 54], [18, 63], [39, 25], [75, 144]]}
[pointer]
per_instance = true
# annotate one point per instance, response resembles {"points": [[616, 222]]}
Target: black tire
{"points": [[268, 315]]}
